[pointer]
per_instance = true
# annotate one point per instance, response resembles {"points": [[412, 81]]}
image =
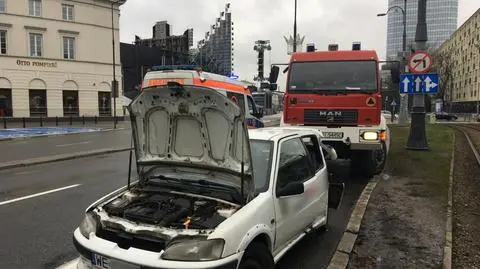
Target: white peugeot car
{"points": [[209, 193]]}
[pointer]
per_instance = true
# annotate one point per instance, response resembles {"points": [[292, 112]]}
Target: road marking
{"points": [[73, 144], [25, 172], [37, 194], [69, 265]]}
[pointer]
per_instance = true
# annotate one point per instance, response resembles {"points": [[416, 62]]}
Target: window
{"points": [[251, 106], [333, 76], [67, 12], [294, 163], [262, 162], [68, 48], [238, 99], [36, 45], [2, 5], [35, 7], [3, 41], [313, 148]]}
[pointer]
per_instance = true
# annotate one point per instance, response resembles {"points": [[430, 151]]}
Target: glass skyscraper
{"points": [[441, 23]]}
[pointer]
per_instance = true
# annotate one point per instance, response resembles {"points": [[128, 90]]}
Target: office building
{"points": [[56, 57], [174, 48], [441, 23], [460, 67], [162, 49]]}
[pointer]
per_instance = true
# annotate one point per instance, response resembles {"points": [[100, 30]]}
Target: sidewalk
{"points": [[405, 222]]}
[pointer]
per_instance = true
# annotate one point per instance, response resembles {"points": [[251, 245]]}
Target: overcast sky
{"points": [[321, 21]]}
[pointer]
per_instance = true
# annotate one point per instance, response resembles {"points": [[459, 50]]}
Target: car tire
{"points": [[257, 256], [367, 163]]}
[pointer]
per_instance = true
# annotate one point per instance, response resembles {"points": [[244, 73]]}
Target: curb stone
{"points": [[342, 254], [48, 135], [60, 157], [447, 249]]}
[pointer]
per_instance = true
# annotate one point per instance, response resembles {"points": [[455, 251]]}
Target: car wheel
{"points": [[257, 256]]}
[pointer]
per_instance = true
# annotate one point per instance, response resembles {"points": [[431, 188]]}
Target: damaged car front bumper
{"points": [[99, 253]]}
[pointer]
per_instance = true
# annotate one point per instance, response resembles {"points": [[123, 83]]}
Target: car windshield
{"points": [[262, 162], [333, 76]]}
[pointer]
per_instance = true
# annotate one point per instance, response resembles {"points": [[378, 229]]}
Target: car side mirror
{"points": [[329, 152], [292, 188], [274, 74]]}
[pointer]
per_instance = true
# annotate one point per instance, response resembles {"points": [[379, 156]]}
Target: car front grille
{"points": [[330, 116], [126, 241]]}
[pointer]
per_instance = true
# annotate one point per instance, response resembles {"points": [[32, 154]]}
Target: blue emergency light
{"points": [[174, 67]]}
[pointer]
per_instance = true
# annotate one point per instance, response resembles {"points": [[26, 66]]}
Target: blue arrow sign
{"points": [[419, 83]]}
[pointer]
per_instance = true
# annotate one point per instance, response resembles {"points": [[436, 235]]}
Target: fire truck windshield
{"points": [[333, 76]]}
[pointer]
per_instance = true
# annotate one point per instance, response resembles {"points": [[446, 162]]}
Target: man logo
{"points": [[330, 114]]}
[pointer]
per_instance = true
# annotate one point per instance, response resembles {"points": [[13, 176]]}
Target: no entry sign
{"points": [[420, 62]]}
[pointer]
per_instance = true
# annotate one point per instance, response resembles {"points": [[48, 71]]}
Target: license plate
{"points": [[338, 135], [100, 262]]}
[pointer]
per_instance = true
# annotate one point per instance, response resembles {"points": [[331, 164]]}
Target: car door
{"points": [[252, 118], [316, 189], [291, 212]]}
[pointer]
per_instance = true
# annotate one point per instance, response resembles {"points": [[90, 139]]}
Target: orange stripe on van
{"points": [[222, 85], [158, 82]]}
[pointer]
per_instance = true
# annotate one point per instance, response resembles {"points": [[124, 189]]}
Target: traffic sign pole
{"points": [[417, 139]]}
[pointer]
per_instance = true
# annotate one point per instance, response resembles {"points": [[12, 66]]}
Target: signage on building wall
{"points": [[37, 63]]}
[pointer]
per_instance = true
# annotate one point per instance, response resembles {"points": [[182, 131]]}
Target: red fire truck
{"points": [[338, 92]]}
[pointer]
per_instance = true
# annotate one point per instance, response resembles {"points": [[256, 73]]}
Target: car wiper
{"points": [[328, 92]]}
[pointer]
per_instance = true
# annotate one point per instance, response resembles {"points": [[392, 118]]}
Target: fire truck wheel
{"points": [[380, 158], [368, 163]]}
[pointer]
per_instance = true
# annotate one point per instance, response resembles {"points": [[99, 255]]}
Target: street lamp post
{"points": [[295, 29], [417, 139], [402, 118], [114, 82]]}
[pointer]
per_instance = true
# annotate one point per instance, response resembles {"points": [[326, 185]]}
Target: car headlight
{"points": [[88, 225], [369, 135], [197, 249]]}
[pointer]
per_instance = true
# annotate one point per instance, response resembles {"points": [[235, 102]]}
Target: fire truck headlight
{"points": [[369, 135]]}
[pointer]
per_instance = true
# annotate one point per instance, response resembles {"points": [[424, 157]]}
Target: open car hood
{"points": [[191, 126]]}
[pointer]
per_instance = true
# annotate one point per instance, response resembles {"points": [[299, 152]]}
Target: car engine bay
{"points": [[170, 210]]}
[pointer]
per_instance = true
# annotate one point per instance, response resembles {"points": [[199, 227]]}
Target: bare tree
{"points": [[443, 63]]}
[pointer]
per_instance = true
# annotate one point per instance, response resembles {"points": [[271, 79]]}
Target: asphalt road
{"points": [[15, 150], [21, 149], [37, 232]]}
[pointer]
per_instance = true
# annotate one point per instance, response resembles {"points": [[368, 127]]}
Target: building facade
{"points": [[216, 51], [56, 57], [442, 18], [175, 49], [459, 66]]}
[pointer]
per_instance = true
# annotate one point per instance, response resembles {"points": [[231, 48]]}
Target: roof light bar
{"points": [[175, 67]]}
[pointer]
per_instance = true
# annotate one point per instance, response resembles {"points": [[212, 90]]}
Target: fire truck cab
{"points": [[190, 75], [338, 92]]}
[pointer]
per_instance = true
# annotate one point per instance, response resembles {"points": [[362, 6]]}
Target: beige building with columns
{"points": [[56, 57]]}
